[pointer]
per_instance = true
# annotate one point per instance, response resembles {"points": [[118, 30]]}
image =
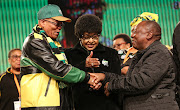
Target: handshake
{"points": [[95, 82]]}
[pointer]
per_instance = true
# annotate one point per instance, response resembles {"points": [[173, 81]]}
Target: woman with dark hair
{"points": [[91, 56]]}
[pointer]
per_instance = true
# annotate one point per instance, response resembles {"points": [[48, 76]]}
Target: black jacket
{"points": [[176, 57], [176, 50], [86, 98], [8, 90], [149, 84]]}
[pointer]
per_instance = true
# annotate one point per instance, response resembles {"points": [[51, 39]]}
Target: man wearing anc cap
{"points": [[46, 74]]}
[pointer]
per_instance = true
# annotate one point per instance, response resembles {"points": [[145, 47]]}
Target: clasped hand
{"points": [[95, 80]]}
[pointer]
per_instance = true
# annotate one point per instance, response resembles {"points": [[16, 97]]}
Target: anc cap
{"points": [[143, 17], [52, 11]]}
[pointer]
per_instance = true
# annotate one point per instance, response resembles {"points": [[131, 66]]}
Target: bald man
{"points": [[149, 84]]}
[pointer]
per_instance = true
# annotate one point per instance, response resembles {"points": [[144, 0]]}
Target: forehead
{"points": [[85, 33], [141, 27], [53, 20], [119, 40], [16, 52]]}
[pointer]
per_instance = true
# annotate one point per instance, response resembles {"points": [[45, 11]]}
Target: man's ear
{"points": [[149, 36], [9, 61], [41, 23]]}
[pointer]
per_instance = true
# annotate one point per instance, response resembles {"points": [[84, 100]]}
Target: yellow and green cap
{"points": [[52, 11], [143, 17]]}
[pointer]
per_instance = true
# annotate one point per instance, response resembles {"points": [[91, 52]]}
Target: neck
{"points": [[15, 71]]}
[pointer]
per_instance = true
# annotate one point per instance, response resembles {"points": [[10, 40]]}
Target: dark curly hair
{"points": [[87, 23]]}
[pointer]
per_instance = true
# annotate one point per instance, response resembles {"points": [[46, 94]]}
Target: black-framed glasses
{"points": [[87, 37], [59, 24], [15, 57]]}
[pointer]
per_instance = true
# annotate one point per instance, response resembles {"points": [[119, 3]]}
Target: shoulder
{"points": [[177, 27], [77, 49], [2, 75], [67, 50], [159, 52], [34, 41], [32, 38]]}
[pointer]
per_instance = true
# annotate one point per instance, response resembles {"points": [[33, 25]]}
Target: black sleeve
{"points": [[142, 79], [176, 50]]}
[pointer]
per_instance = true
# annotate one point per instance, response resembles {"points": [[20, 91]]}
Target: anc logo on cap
{"points": [[60, 12]]}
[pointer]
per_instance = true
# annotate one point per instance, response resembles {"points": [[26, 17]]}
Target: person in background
{"points": [[150, 80], [9, 82], [91, 56], [122, 43], [176, 57], [46, 75]]}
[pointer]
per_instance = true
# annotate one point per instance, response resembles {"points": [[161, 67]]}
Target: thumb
{"points": [[91, 54]]}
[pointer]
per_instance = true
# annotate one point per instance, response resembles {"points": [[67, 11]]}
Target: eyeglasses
{"points": [[87, 37], [15, 57], [59, 24], [118, 45]]}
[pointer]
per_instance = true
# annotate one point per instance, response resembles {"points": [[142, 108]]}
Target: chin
{"points": [[90, 49], [54, 37]]}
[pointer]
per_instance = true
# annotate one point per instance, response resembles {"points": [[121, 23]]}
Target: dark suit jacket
{"points": [[149, 84]]}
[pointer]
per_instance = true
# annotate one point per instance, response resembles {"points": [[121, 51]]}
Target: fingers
{"points": [[106, 92], [91, 54], [92, 62], [96, 86], [91, 80], [99, 77], [96, 78]]}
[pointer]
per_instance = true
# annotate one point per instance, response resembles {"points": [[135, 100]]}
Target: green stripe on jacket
{"points": [[73, 76]]}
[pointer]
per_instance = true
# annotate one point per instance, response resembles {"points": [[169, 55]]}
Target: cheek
{"points": [[83, 42], [123, 46]]}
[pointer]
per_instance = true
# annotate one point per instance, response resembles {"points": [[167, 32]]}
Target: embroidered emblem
{"points": [[123, 56], [120, 52], [60, 12], [105, 63]]}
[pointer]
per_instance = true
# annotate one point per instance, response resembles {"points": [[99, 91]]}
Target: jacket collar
{"points": [[150, 46], [39, 30], [8, 70]]}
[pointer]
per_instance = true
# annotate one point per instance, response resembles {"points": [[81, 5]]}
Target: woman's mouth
{"points": [[90, 46]]}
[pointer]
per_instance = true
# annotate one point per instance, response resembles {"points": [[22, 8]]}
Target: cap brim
{"points": [[62, 18]]}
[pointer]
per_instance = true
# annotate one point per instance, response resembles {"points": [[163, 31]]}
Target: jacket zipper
{"points": [[47, 87]]}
